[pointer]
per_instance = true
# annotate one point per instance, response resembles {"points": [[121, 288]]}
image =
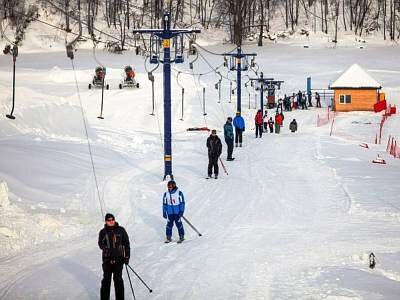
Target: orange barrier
{"points": [[379, 160], [392, 147], [325, 118]]}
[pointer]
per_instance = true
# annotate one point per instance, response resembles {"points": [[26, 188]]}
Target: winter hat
{"points": [[108, 216], [172, 183]]}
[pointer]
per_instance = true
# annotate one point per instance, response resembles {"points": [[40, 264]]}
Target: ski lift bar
{"points": [[14, 52]]}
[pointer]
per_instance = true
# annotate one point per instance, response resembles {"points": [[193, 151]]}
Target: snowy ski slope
{"points": [[296, 217]]}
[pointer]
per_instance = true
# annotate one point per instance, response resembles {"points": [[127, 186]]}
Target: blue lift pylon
{"points": [[237, 63], [165, 35], [266, 84]]}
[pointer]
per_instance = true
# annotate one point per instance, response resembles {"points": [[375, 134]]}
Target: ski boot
{"points": [[216, 176], [236, 144], [181, 239], [240, 145], [168, 239]]}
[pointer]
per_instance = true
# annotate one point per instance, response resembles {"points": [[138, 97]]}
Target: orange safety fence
{"points": [[325, 118], [393, 148]]}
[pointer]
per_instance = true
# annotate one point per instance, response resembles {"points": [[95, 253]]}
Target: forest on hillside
{"points": [[239, 18]]}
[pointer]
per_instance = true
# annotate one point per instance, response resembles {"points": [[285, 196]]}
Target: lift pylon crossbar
{"points": [[239, 67]]}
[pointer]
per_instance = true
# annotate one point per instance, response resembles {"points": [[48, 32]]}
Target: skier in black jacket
{"points": [[214, 146], [293, 126], [114, 242]]}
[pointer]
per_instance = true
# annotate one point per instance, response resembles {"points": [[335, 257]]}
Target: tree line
{"points": [[240, 18]]}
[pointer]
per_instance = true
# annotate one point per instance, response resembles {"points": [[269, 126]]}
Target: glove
{"points": [[181, 214], [244, 129], [126, 260], [164, 215]]}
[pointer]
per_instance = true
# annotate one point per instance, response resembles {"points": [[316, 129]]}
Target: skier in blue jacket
{"points": [[238, 122], [173, 209]]}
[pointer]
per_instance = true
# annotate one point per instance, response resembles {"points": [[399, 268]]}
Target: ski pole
{"points": [[137, 275], [223, 166], [190, 224], [130, 282]]}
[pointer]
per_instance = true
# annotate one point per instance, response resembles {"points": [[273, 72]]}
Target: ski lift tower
{"points": [[238, 62], [163, 37], [264, 84]]}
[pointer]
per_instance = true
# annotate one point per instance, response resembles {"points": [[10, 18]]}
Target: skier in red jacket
{"points": [[278, 122], [259, 122]]}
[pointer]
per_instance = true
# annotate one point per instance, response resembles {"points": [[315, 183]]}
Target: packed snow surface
{"points": [[296, 218]]}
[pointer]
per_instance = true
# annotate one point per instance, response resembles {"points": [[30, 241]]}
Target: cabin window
{"points": [[345, 99]]}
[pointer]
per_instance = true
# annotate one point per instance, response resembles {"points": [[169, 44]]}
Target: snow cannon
{"points": [[129, 78], [98, 78]]}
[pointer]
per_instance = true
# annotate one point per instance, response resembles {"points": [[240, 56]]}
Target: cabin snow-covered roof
{"points": [[355, 77]]}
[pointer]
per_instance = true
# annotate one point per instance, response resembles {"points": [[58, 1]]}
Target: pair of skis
{"points": [[171, 241], [191, 226], [223, 167]]}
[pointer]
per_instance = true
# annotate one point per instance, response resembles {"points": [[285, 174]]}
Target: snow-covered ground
{"points": [[296, 217]]}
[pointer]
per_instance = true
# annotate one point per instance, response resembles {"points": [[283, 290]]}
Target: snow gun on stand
{"points": [[98, 79], [129, 78]]}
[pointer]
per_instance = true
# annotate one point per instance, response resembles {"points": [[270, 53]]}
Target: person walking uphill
{"points": [[214, 146], [318, 99], [278, 122], [228, 135], [265, 121], [114, 242], [293, 126], [271, 125], [238, 122], [173, 209], [258, 119]]}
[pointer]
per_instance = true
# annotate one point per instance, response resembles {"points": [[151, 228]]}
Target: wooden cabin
{"points": [[355, 90]]}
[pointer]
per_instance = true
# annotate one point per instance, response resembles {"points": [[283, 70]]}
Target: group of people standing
{"points": [[233, 135], [232, 138], [264, 122], [299, 100]]}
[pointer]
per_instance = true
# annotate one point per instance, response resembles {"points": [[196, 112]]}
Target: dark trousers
{"points": [[271, 129], [318, 103], [178, 223], [213, 163], [266, 126], [238, 135], [259, 130], [229, 143], [114, 270]]}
